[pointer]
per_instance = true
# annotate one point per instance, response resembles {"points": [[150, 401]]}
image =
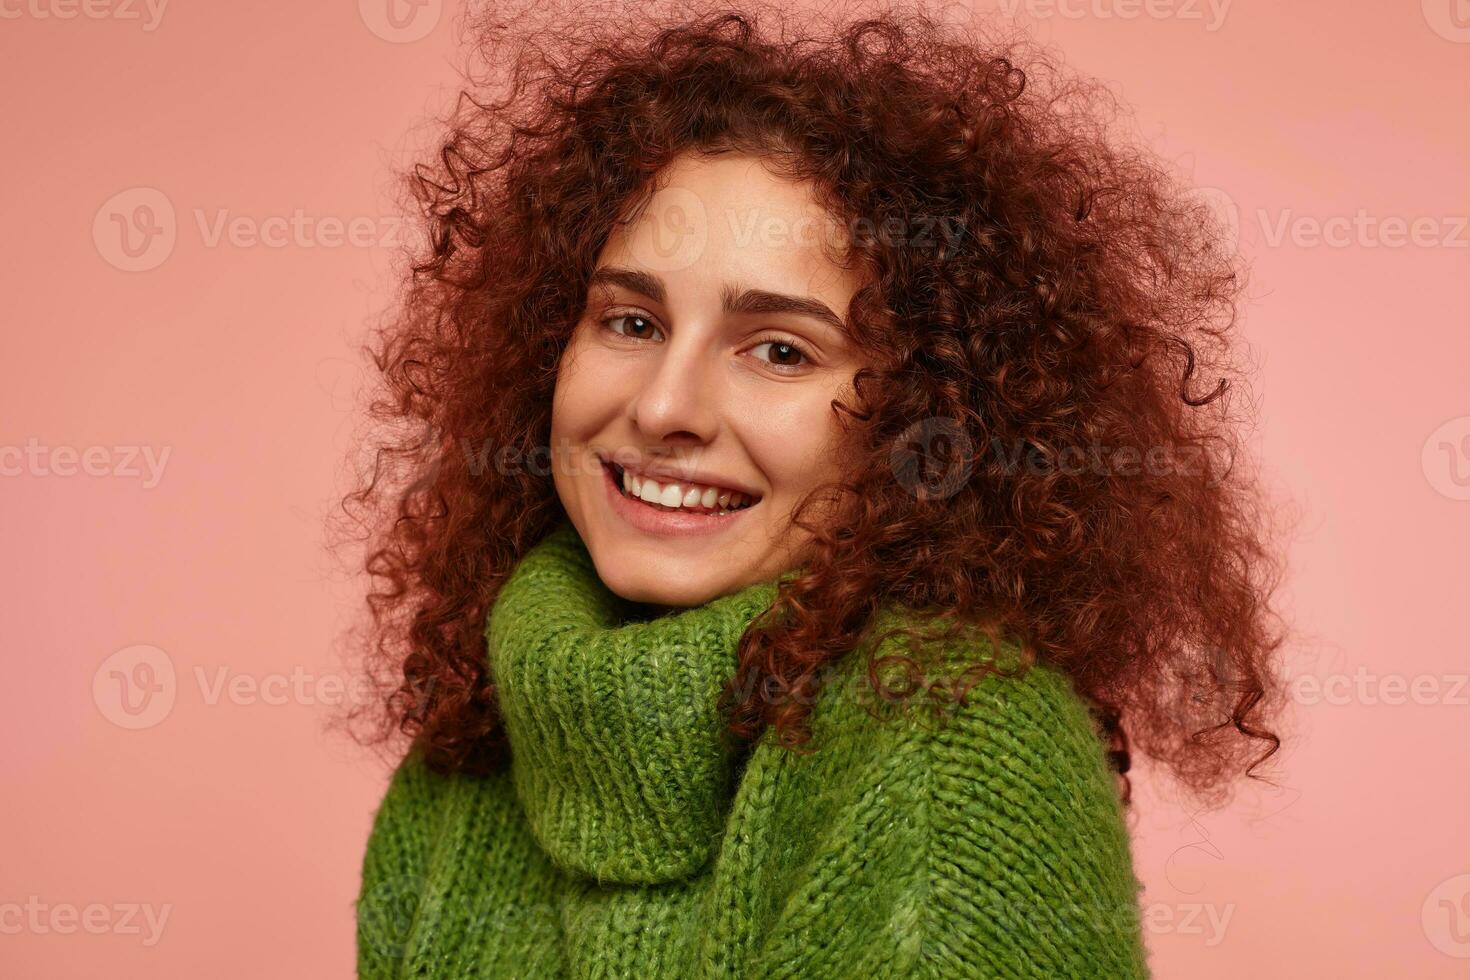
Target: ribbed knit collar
{"points": [[619, 753]]}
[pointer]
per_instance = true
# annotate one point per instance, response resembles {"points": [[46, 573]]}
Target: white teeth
{"points": [[681, 495]]}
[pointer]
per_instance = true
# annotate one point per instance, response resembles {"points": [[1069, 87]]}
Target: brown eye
{"points": [[785, 354], [638, 324], [782, 354]]}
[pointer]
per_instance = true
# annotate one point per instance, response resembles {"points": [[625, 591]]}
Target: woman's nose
{"points": [[679, 393]]}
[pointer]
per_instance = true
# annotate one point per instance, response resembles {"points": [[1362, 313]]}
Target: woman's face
{"points": [[704, 366]]}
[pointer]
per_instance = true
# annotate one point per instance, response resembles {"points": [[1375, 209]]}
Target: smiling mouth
{"points": [[673, 497]]}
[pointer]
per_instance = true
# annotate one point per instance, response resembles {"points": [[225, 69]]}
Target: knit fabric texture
{"points": [[628, 838]]}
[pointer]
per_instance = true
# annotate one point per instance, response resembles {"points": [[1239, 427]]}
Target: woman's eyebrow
{"points": [[632, 280], [734, 299], [764, 301]]}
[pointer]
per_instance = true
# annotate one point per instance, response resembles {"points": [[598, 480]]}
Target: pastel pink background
{"points": [[240, 818]]}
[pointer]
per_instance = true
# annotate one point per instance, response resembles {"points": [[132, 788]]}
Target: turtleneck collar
{"points": [[619, 754]]}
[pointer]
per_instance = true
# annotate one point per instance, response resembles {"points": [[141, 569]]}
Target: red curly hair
{"points": [[1062, 362]]}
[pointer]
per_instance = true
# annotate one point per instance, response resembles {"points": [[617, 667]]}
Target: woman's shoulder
{"points": [[977, 815], [423, 799], [983, 732], [451, 839], [977, 701]]}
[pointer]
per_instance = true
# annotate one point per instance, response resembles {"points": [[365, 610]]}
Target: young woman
{"points": [[821, 490]]}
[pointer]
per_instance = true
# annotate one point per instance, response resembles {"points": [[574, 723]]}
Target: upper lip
{"points": [[663, 474]]}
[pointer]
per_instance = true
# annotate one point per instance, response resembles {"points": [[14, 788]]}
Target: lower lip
{"points": [[674, 523]]}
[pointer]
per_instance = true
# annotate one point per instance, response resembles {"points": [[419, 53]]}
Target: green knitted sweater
{"points": [[626, 837]]}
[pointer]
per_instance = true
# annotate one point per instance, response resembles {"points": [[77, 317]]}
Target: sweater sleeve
{"points": [[989, 843], [1030, 871], [395, 868]]}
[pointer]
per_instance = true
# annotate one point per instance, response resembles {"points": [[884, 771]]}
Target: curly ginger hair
{"points": [[1067, 354]]}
